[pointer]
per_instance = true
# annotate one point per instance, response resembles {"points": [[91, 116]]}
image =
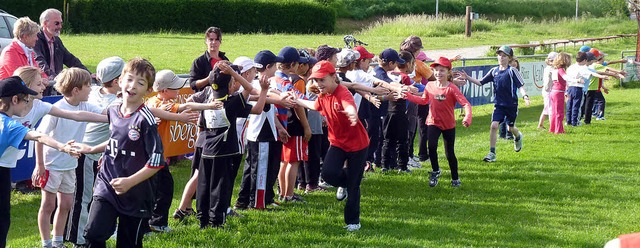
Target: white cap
{"points": [[346, 57], [246, 63], [110, 68], [166, 79]]}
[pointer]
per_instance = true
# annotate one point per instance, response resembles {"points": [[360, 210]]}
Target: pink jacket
{"points": [[12, 58]]}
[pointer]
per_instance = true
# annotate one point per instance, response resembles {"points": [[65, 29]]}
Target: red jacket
{"points": [[13, 57]]}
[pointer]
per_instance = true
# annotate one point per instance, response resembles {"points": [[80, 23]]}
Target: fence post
{"points": [[467, 26]]}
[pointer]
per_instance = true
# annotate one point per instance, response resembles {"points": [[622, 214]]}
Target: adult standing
{"points": [[202, 66], [20, 51]]}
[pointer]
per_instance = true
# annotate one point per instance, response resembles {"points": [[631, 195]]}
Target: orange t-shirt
{"points": [[164, 126], [422, 71]]}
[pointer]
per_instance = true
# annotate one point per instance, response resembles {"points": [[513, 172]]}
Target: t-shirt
{"points": [[261, 127], [64, 130], [166, 105], [423, 72], [381, 74], [97, 133], [575, 71], [594, 82], [341, 133], [547, 81], [219, 137], [400, 105], [442, 104], [294, 125], [505, 85], [559, 82], [11, 135], [364, 111], [12, 154], [134, 143]]}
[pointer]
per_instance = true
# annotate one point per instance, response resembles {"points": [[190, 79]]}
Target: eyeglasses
{"points": [[56, 23]]}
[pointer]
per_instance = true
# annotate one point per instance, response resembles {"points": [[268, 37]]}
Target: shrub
{"points": [[30, 8]]}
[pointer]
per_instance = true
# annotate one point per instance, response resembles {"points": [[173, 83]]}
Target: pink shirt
{"points": [[559, 83], [443, 102]]}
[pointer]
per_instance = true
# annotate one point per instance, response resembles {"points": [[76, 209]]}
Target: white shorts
{"points": [[61, 181]]}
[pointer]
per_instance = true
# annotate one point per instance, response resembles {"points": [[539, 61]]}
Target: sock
{"points": [[57, 240], [46, 243], [519, 136], [492, 149]]}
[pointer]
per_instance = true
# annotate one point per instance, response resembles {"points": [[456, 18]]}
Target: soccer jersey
{"points": [[341, 133], [11, 135], [505, 85], [134, 143]]}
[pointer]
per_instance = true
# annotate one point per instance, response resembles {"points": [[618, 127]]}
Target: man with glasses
{"points": [[50, 52]]}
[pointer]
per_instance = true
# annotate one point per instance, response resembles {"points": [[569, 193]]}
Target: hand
{"points": [[413, 89], [287, 99], [121, 185], [461, 74], [37, 175], [527, 102], [158, 120], [83, 148], [284, 136], [225, 68], [189, 117], [264, 82], [215, 105], [352, 115], [71, 148], [457, 57], [380, 90], [307, 134], [466, 124], [396, 95], [375, 101], [606, 91], [313, 88]]}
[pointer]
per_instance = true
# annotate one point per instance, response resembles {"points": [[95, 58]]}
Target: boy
{"points": [[132, 155], [574, 91], [13, 101], [220, 140], [167, 85], [56, 171], [596, 86], [506, 80]]}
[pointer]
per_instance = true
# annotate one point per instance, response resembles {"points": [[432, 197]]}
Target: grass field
{"points": [[573, 190]]}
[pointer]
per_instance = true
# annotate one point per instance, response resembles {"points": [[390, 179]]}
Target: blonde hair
{"points": [[563, 60], [141, 67], [28, 74], [25, 26], [72, 78]]}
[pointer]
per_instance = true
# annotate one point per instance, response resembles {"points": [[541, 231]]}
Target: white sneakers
{"points": [[352, 227], [341, 194]]}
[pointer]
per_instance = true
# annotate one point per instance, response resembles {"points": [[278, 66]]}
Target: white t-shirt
{"points": [[257, 121], [11, 155], [64, 130], [576, 70], [97, 133], [360, 77]]}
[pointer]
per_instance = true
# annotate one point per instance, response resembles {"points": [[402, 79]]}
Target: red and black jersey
{"points": [[133, 144]]}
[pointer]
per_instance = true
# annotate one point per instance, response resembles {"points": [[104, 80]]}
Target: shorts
{"points": [[60, 181], [295, 150], [500, 112]]}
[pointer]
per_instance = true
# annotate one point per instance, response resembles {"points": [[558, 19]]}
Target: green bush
{"points": [[30, 8], [128, 16]]}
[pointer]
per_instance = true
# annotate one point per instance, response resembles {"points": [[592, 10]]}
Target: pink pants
{"points": [[556, 111]]}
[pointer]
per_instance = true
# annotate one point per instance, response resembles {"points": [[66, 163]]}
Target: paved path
{"points": [[465, 52]]}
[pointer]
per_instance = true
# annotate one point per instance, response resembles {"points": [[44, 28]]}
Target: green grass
{"points": [[578, 189]]}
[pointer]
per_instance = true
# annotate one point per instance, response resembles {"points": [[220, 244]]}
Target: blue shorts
{"points": [[500, 112]]}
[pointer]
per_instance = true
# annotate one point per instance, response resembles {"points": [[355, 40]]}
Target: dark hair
{"points": [[214, 30], [581, 57], [408, 58]]}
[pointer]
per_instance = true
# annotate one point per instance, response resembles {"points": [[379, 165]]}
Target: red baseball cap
{"points": [[441, 61], [322, 69], [596, 52], [364, 54]]}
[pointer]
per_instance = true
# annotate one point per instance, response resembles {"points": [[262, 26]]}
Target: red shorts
{"points": [[295, 150]]}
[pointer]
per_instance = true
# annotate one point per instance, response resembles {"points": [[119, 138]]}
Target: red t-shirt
{"points": [[341, 133], [213, 62], [629, 240]]}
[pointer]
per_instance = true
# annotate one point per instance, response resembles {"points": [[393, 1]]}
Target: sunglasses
{"points": [[56, 23]]}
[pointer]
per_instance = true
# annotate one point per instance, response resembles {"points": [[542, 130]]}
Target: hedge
{"points": [[30, 8], [130, 16]]}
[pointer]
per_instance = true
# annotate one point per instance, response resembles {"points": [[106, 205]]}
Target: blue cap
{"points": [[591, 56], [306, 58], [289, 54], [266, 57], [585, 49], [391, 55]]}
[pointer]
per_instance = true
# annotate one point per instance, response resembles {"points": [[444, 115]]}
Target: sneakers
{"points": [[295, 198], [324, 184], [517, 143], [455, 183], [180, 214], [232, 213], [164, 229], [600, 119], [59, 246], [352, 227], [491, 157], [240, 206], [414, 162], [433, 179], [406, 171], [311, 189], [301, 186], [341, 194]]}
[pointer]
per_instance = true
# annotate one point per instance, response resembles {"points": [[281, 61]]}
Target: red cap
{"points": [[364, 54], [596, 52], [322, 69], [443, 62]]}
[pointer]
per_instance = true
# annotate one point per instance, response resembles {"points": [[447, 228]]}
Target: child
{"points": [[441, 120], [167, 85], [506, 80], [56, 171], [556, 98], [220, 139], [598, 108], [13, 102], [574, 92], [502, 129], [596, 85], [547, 83], [132, 155], [348, 139]]}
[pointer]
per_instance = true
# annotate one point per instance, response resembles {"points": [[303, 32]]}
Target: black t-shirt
{"points": [[133, 144]]}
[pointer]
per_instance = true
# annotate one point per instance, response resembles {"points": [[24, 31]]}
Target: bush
{"points": [[30, 8], [126, 16]]}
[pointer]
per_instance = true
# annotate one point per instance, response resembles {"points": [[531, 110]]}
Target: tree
{"points": [[634, 7]]}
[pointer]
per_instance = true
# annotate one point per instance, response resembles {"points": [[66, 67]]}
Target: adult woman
{"points": [[20, 51]]}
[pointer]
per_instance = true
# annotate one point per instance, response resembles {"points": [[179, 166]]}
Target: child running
{"points": [[443, 96]]}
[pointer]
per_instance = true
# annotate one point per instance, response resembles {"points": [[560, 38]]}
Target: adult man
{"points": [[50, 52], [202, 66]]}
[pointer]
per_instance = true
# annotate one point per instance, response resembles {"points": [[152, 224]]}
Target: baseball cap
{"points": [[346, 57], [110, 68], [505, 49], [552, 55], [14, 85], [220, 82], [289, 55], [585, 48], [597, 53], [422, 56], [322, 69], [391, 55], [266, 57], [306, 58], [245, 63], [442, 61], [166, 79], [590, 56], [325, 52], [411, 44], [364, 54]]}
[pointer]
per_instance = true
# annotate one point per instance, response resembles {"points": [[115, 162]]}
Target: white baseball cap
{"points": [[245, 63], [166, 79]]}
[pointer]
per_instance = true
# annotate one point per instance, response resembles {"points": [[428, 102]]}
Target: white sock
{"points": [[57, 240], [46, 243]]}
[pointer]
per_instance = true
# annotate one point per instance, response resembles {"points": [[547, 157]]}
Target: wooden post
{"points": [[467, 26]]}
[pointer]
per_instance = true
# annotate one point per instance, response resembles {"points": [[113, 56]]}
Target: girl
{"points": [[547, 83], [556, 98], [441, 120]]}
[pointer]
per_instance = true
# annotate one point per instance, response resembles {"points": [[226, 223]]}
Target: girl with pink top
{"points": [[556, 97], [442, 96]]}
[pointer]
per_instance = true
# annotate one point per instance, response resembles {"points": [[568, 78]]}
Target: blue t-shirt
{"points": [[384, 105], [12, 133], [505, 85]]}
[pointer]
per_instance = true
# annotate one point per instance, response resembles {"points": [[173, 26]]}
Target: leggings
{"points": [[449, 137]]}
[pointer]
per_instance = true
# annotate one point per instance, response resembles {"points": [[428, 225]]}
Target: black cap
{"points": [[220, 82], [325, 52], [12, 86], [266, 57]]}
